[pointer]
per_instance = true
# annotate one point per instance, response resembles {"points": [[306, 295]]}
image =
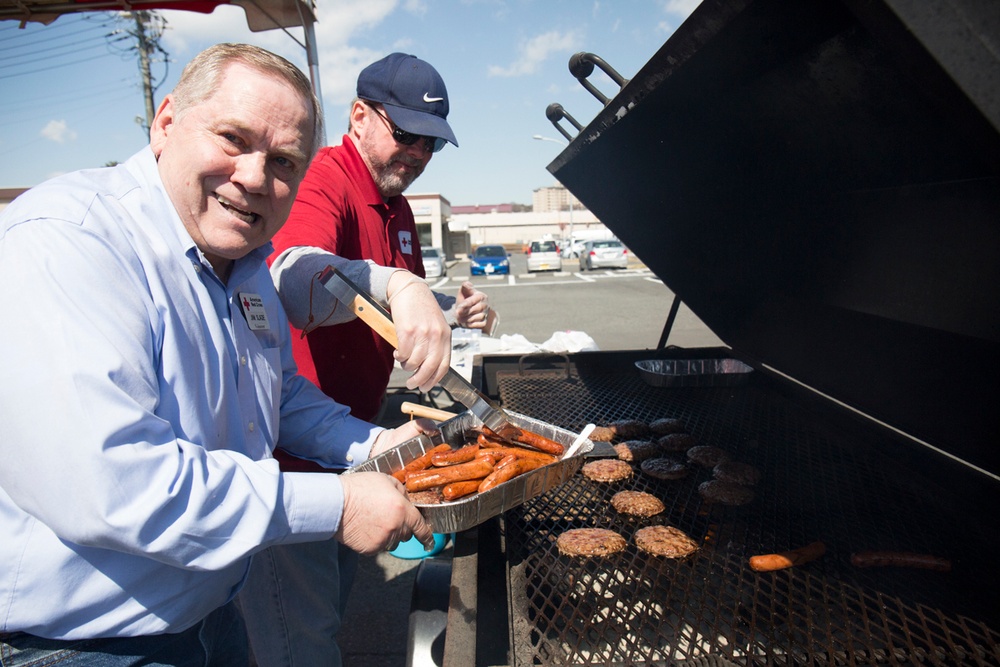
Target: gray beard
{"points": [[389, 183]]}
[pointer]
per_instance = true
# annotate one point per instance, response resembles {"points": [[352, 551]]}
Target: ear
{"points": [[162, 122], [358, 118]]}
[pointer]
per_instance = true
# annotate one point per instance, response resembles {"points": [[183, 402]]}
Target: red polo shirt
{"points": [[338, 208]]}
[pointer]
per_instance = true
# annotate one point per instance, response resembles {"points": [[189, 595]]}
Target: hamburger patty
{"points": [[725, 493], [736, 472], [636, 451], [666, 425], [590, 542], [637, 503], [707, 456], [677, 442], [665, 541], [606, 470], [664, 468]]}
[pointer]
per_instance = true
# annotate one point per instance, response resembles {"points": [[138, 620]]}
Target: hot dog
{"points": [[509, 468], [528, 438], [453, 456], [900, 559], [492, 455], [524, 453], [457, 490], [420, 463], [491, 441], [426, 479], [780, 561]]}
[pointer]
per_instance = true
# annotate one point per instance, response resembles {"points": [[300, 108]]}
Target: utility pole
{"points": [[140, 34], [143, 46]]}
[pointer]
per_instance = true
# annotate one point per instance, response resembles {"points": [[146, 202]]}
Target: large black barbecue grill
{"points": [[826, 476], [819, 180]]}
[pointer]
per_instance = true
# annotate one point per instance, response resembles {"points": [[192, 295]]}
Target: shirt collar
{"points": [[161, 208]]}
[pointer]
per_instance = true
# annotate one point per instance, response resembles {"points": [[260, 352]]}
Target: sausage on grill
{"points": [[900, 559], [780, 561]]}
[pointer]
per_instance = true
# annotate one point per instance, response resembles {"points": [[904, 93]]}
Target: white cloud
{"points": [[58, 131], [533, 52], [680, 7]]}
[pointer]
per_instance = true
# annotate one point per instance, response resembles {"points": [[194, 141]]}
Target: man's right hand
{"points": [[378, 516], [423, 333]]}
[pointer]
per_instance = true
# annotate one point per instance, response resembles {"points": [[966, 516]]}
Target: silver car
{"points": [[434, 266], [544, 256], [608, 253]]}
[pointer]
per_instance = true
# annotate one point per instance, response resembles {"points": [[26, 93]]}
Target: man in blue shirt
{"points": [[150, 376]]}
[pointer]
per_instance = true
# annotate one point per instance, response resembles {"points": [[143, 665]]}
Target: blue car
{"points": [[490, 260]]}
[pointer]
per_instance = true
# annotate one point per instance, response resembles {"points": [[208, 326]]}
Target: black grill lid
{"points": [[820, 182]]}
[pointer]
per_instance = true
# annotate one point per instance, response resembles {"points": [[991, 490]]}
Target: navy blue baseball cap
{"points": [[412, 93]]}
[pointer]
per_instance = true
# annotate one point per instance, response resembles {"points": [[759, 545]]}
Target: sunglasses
{"points": [[431, 144]]}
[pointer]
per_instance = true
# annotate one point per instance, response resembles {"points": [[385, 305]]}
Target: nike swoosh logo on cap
{"points": [[432, 99]]}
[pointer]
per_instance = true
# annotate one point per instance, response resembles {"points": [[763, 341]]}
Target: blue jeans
{"points": [[219, 640], [293, 602]]}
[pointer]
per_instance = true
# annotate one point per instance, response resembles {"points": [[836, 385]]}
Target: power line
{"points": [[64, 97], [57, 29], [47, 69], [23, 49], [47, 54]]}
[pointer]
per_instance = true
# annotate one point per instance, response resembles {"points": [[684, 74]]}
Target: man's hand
{"points": [[386, 440], [472, 307], [423, 333], [378, 516]]}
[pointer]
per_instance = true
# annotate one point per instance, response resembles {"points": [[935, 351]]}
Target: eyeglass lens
{"points": [[432, 144]]}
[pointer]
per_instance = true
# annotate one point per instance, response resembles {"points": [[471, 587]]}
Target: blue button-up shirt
{"points": [[138, 413]]}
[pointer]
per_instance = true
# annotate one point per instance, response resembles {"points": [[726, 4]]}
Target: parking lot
{"points": [[618, 308]]}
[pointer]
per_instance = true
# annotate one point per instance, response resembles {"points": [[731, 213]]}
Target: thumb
{"points": [[467, 289]]}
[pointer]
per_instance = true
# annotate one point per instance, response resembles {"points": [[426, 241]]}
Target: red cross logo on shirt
{"points": [[405, 242], [246, 303]]}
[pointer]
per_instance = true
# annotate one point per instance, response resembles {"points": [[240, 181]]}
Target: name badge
{"points": [[253, 311], [406, 242]]}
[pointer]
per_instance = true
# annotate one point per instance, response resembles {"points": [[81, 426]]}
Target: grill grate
{"points": [[819, 482]]}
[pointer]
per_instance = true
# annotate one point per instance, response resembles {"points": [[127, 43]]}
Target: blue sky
{"points": [[69, 101]]}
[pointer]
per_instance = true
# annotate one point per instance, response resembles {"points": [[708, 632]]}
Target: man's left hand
{"points": [[411, 429], [472, 307]]}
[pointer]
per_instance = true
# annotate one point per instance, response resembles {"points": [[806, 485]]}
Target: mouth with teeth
{"points": [[246, 216]]}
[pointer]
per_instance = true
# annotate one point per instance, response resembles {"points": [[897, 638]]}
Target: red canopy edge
{"points": [[261, 14]]}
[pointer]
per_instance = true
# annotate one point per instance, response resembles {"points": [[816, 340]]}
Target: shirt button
{"points": [[349, 458], [250, 426], [197, 267], [243, 360]]}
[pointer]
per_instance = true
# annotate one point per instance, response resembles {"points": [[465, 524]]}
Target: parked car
{"points": [[434, 262], [609, 253], [544, 256], [489, 259], [572, 249]]}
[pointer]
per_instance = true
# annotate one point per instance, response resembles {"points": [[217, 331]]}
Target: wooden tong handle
{"points": [[417, 410]]}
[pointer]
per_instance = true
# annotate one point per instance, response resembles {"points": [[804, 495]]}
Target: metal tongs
{"points": [[374, 315]]}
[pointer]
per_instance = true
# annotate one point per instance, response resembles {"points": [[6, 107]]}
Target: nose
{"points": [[419, 149], [250, 172]]}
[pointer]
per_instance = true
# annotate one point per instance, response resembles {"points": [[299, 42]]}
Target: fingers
{"points": [[472, 308], [377, 514], [424, 336], [410, 430]]}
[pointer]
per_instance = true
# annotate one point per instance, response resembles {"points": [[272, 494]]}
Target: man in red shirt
{"points": [[349, 205]]}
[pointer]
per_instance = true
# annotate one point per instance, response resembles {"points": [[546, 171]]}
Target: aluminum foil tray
{"points": [[693, 372], [473, 510]]}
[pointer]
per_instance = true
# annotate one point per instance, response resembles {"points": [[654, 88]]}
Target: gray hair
{"points": [[201, 77]]}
